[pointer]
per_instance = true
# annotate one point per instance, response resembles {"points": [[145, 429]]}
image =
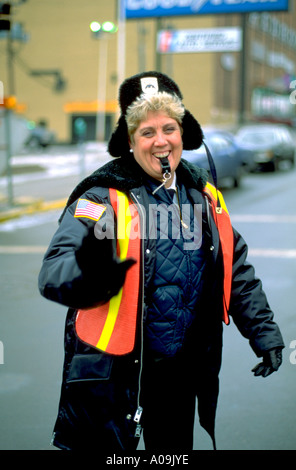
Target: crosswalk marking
{"points": [[22, 249], [264, 218], [272, 253]]}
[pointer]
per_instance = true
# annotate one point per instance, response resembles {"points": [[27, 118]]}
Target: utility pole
{"points": [[121, 39], [13, 32], [8, 112], [158, 27], [101, 32], [242, 83]]}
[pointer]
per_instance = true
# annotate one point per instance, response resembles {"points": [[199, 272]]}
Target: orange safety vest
{"points": [[223, 224], [111, 327]]}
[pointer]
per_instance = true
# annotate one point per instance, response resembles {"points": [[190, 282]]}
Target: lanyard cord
{"points": [[181, 219], [213, 172]]}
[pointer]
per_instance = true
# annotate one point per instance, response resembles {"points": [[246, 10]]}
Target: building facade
{"points": [[61, 72]]}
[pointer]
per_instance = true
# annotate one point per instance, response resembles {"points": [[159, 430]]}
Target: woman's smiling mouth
{"points": [[162, 154]]}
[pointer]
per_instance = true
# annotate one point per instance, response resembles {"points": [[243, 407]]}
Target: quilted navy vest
{"points": [[178, 276]]}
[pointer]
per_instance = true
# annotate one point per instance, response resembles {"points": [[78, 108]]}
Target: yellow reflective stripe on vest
{"points": [[224, 227], [215, 193], [123, 229]]}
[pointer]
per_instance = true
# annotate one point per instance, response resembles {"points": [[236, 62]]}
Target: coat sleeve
{"points": [[249, 306], [76, 269]]}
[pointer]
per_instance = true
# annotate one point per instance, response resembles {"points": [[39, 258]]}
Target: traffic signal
{"points": [[9, 102], [98, 29], [109, 27], [5, 11]]}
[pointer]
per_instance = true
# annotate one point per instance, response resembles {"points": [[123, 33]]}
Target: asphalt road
{"points": [[253, 413]]}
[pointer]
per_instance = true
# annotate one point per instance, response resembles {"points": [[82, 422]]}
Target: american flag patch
{"points": [[89, 209]]}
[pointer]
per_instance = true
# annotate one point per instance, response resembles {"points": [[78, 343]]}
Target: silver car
{"points": [[271, 144], [228, 157]]}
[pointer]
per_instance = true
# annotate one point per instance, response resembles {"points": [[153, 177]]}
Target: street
{"points": [[253, 413]]}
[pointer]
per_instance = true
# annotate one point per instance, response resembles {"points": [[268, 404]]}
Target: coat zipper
{"points": [[139, 411]]}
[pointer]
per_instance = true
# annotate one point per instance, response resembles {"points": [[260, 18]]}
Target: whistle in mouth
{"points": [[165, 166], [166, 172]]}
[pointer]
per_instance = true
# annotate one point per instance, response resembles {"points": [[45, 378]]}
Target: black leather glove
{"points": [[272, 360], [98, 261]]}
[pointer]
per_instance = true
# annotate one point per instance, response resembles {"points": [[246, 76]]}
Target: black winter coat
{"points": [[100, 393]]}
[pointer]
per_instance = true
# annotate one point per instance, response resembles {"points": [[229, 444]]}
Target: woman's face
{"points": [[159, 135]]}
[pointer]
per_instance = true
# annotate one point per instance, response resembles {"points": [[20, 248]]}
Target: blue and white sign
{"points": [[199, 40], [158, 8]]}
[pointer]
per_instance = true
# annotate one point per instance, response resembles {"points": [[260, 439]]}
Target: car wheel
{"points": [[271, 166], [237, 179]]}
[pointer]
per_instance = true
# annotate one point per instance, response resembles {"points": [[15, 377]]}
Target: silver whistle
{"points": [[166, 172]]}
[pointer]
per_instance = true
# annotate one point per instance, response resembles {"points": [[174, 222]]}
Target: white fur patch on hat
{"points": [[149, 85]]}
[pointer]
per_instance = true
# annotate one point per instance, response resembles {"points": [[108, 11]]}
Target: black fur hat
{"points": [[134, 87]]}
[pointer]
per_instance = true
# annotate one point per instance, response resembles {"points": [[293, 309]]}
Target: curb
{"points": [[32, 208]]}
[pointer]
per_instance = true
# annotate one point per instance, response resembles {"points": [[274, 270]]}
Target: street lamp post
{"points": [[120, 42], [102, 32], [101, 95]]}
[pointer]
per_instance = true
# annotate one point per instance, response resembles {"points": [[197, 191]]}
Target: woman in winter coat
{"points": [[147, 262]]}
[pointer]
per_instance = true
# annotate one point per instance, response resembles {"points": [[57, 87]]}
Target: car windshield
{"points": [[257, 137], [209, 140]]}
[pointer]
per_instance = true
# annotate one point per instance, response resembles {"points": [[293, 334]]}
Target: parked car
{"points": [[271, 144], [40, 136], [228, 159]]}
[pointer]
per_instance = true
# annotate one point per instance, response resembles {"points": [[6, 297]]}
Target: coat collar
{"points": [[126, 174]]}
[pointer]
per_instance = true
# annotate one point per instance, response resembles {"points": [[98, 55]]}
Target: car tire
{"points": [[237, 179], [271, 166]]}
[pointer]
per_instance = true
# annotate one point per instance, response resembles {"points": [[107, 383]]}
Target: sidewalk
{"points": [[43, 163], [28, 206]]}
